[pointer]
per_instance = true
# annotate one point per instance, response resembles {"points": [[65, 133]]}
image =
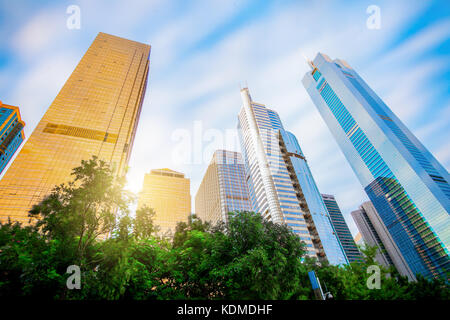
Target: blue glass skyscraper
{"points": [[280, 184], [315, 207], [406, 184], [11, 133], [375, 233], [342, 231]]}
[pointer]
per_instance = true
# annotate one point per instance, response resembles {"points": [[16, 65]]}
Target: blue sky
{"points": [[203, 51]]}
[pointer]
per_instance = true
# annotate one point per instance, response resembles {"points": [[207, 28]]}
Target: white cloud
{"points": [[409, 94], [443, 155], [266, 52], [40, 33], [418, 44], [186, 85], [431, 130], [182, 32], [36, 89]]}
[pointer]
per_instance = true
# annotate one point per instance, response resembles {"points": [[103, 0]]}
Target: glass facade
{"points": [[281, 186], [371, 236], [11, 133], [341, 228], [95, 113], [375, 233], [406, 184], [223, 188], [167, 192]]}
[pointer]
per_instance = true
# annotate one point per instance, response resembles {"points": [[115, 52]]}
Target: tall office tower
{"points": [[371, 237], [359, 239], [280, 184], [11, 133], [223, 188], [168, 193], [407, 185], [95, 113], [375, 233], [342, 230]]}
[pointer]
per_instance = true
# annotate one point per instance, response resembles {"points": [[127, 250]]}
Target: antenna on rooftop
{"points": [[243, 85], [309, 62]]}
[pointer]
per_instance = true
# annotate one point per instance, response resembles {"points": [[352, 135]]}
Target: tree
{"points": [[143, 225], [182, 229], [248, 258], [85, 208], [87, 222], [349, 282], [257, 259], [30, 265]]}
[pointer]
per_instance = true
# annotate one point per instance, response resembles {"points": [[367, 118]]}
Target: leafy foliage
{"points": [[87, 223]]}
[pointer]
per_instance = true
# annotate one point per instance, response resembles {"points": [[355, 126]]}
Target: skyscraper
{"points": [[371, 237], [223, 188], [167, 192], [359, 239], [342, 230], [375, 233], [11, 133], [95, 113], [281, 186], [406, 184]]}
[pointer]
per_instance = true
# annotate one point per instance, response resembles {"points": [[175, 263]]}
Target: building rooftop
{"points": [[167, 172]]}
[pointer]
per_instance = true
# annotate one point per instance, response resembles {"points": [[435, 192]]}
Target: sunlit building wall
{"points": [[95, 113], [167, 192], [359, 239], [279, 185], [406, 184], [223, 188], [11, 133]]}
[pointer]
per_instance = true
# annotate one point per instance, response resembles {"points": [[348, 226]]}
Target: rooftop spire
{"points": [[309, 62]]}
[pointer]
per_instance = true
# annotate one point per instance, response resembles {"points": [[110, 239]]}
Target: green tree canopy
{"points": [[87, 222]]}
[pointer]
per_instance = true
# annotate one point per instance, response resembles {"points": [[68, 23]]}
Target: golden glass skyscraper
{"points": [[167, 192], [95, 113]]}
